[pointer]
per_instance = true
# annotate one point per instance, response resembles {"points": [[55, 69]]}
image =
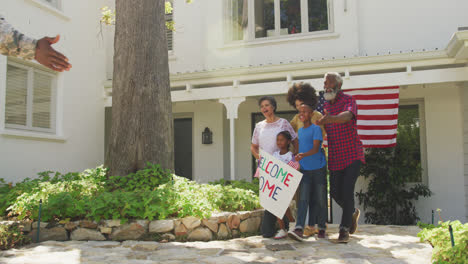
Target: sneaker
{"points": [[309, 231], [281, 234], [343, 237], [321, 234], [297, 234], [354, 223]]}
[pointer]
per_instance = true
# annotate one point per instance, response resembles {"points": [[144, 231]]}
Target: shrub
{"points": [[242, 184], [148, 194], [439, 238], [11, 236]]}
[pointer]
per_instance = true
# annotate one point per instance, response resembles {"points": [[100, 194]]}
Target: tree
{"points": [[142, 124]]}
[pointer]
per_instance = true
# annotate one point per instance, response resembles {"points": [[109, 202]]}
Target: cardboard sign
{"points": [[278, 183]]}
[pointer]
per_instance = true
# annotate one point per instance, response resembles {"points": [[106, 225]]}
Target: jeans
{"points": [[342, 190], [313, 196], [269, 224]]}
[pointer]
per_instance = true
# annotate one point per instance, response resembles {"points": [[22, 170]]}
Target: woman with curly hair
{"points": [[299, 94]]}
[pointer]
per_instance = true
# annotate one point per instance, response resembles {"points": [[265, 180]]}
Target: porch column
{"points": [[232, 106]]}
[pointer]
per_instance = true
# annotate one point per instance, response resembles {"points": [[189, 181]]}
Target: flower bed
{"points": [[219, 226]]}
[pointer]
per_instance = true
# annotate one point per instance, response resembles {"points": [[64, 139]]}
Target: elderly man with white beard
{"points": [[345, 152]]}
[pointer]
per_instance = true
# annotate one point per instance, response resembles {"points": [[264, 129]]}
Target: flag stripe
{"points": [[370, 89], [377, 117], [377, 132], [393, 111], [382, 106], [376, 102], [377, 122], [377, 137], [371, 92], [374, 127], [365, 143], [376, 96]]}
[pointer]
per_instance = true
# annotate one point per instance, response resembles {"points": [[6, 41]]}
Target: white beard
{"points": [[329, 96]]}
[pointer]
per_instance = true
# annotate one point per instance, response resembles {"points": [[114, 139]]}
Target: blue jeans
{"points": [[313, 196]]}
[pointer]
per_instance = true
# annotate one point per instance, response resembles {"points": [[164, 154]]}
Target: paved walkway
{"points": [[372, 244]]}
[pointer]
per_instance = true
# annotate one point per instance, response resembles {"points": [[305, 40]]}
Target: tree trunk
{"points": [[142, 124]]}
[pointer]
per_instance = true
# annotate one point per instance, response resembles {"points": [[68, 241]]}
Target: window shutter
{"points": [[42, 101], [169, 33], [16, 96]]}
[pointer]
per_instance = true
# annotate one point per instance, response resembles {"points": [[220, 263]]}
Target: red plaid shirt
{"points": [[344, 145]]}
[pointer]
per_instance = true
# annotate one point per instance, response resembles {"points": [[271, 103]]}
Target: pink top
{"points": [[265, 134]]}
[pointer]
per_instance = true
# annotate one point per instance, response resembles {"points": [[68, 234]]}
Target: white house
{"points": [[225, 54]]}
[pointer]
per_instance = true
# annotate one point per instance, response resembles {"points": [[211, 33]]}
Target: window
{"points": [[30, 99], [170, 28], [274, 18], [411, 140], [53, 3]]}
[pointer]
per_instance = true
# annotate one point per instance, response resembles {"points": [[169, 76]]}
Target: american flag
{"points": [[377, 119], [294, 164]]}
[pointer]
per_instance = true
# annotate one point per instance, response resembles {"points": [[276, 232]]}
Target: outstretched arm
{"points": [[341, 118], [14, 43]]}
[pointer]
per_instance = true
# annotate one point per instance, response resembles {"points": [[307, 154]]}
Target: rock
{"points": [[111, 223], [235, 233], [145, 246], [55, 233], [133, 231], [70, 226], [211, 224], [250, 225], [168, 237], [26, 226], [244, 215], [161, 226], [180, 230], [105, 230], [200, 234], [191, 222], [221, 217], [143, 223], [86, 234], [223, 232], [233, 221], [43, 225], [88, 224]]}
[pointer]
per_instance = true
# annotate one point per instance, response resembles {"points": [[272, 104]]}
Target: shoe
{"points": [[281, 234], [354, 223], [297, 234], [343, 237], [309, 231], [321, 234]]}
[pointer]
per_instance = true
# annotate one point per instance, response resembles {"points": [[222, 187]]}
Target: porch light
{"points": [[207, 136]]}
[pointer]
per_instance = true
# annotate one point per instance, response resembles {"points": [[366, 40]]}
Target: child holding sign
{"points": [[283, 141], [313, 187]]}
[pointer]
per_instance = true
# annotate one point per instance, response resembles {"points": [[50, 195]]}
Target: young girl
{"points": [[283, 141]]}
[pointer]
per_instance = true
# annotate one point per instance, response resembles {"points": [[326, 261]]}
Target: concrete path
{"points": [[372, 244]]}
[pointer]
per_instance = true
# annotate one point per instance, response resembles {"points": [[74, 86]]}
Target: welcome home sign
{"points": [[278, 183]]}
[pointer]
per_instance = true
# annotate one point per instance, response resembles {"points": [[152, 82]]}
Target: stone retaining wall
{"points": [[218, 227]]}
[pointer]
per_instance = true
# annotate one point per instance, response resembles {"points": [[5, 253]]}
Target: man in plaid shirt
{"points": [[345, 152]]}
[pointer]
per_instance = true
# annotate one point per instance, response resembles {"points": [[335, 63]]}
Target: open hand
{"points": [[49, 57], [325, 118]]}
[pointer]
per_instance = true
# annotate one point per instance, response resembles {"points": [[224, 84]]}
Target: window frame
{"points": [[249, 36], [422, 137], [30, 100]]}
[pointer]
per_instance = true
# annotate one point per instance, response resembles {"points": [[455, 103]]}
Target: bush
{"points": [[151, 193], [11, 236], [242, 184], [439, 238]]}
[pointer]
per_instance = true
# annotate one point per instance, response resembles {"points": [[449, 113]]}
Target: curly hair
{"points": [[304, 92]]}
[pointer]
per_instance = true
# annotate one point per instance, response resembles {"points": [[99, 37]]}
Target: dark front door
{"points": [[183, 147]]}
